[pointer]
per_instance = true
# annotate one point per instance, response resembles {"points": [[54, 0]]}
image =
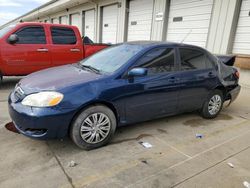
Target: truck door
{"points": [[29, 53], [66, 46]]}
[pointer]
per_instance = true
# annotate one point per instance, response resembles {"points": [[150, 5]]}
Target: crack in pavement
{"points": [[61, 166]]}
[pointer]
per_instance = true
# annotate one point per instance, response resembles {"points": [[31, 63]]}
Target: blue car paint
{"points": [[140, 99]]}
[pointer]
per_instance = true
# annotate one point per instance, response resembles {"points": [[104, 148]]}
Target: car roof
{"points": [[147, 44]]}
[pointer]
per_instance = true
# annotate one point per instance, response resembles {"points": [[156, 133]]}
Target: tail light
{"points": [[237, 74]]}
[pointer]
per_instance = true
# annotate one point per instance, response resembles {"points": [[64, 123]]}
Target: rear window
{"points": [[63, 35]]}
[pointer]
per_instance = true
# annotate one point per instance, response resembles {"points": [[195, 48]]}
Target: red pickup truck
{"points": [[29, 47]]}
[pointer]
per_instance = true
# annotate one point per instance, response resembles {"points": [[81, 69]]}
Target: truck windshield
{"points": [[6, 29], [111, 59]]}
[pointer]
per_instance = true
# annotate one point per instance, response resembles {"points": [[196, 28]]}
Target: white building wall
{"points": [[242, 38], [219, 17], [222, 27]]}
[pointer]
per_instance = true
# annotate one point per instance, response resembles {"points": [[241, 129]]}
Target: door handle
{"points": [[75, 50], [42, 50]]}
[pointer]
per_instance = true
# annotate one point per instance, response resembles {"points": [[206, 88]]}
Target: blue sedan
{"points": [[123, 84]]}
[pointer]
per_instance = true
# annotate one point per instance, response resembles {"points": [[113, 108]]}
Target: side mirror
{"points": [[136, 72], [13, 39]]}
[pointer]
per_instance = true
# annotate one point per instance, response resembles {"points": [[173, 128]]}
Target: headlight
{"points": [[43, 99]]}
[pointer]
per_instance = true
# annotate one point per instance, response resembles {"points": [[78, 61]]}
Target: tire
{"points": [[213, 105], [87, 134]]}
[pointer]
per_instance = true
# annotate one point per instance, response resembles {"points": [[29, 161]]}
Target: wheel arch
{"points": [[95, 103], [222, 89]]}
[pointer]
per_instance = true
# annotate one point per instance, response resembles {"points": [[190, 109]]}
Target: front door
{"points": [[29, 54], [156, 94]]}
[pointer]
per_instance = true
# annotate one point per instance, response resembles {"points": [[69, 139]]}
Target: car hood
{"points": [[57, 78]]}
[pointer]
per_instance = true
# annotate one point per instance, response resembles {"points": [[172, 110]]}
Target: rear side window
{"points": [[158, 61], [209, 63], [192, 59], [31, 35], [63, 35]]}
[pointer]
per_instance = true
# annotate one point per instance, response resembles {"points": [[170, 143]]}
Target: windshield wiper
{"points": [[90, 68]]}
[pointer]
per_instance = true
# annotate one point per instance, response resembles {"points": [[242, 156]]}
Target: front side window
{"points": [[192, 59], [31, 35], [63, 35], [157, 61]]}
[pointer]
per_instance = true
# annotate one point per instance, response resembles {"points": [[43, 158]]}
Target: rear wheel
{"points": [[213, 105], [93, 127]]}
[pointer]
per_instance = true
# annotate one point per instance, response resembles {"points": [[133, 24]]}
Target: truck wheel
{"points": [[93, 127], [213, 105]]}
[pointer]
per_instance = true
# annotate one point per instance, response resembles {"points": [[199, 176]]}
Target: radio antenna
{"points": [[186, 36]]}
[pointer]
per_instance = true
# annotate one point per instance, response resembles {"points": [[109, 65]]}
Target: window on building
{"points": [[63, 35], [31, 35], [192, 59], [158, 61]]}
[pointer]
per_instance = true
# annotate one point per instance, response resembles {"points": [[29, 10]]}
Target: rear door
{"points": [[66, 46], [196, 76], [30, 53], [156, 94]]}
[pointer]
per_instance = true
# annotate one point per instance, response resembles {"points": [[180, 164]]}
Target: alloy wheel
{"points": [[214, 104], [95, 128]]}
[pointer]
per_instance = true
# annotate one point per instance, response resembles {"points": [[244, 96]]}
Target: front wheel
{"points": [[93, 127], [213, 105]]}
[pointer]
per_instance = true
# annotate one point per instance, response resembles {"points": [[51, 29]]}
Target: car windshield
{"points": [[111, 59], [6, 29]]}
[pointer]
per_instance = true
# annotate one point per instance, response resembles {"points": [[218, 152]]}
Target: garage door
{"points": [[55, 20], [89, 24], [63, 20], [140, 19], [75, 20], [189, 21], [109, 23], [242, 37]]}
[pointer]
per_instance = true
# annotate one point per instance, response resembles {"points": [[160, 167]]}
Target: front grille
{"points": [[19, 93]]}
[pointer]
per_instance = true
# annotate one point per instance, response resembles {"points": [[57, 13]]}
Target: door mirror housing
{"points": [[137, 72], [13, 39]]}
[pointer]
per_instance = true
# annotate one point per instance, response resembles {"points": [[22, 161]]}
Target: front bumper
{"points": [[40, 123]]}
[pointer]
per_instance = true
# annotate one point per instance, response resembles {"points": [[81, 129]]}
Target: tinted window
{"points": [[31, 35], [209, 63], [158, 61], [192, 59], [62, 35]]}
